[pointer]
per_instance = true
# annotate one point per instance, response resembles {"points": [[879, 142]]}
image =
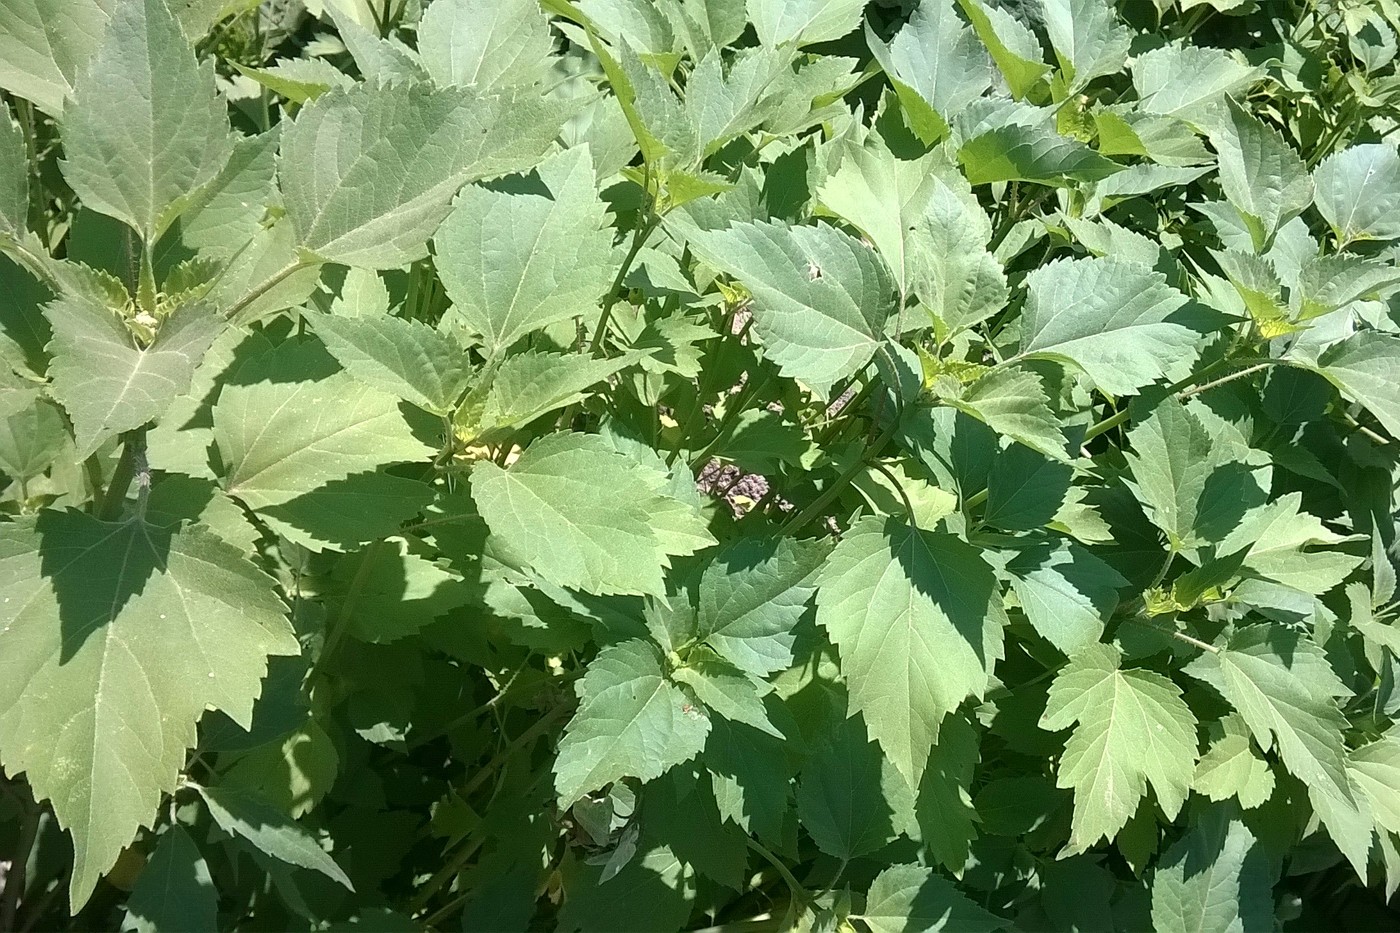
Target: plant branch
{"points": [[276, 279], [15, 878], [799, 521], [132, 465]]}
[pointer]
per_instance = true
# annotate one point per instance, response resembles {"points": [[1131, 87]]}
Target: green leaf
{"points": [[1366, 367], [269, 830], [654, 891], [957, 281], [144, 128], [1375, 771], [402, 357], [391, 592], [175, 890], [822, 297], [107, 381], [1031, 153], [380, 60], [937, 58], [1025, 490], [41, 63], [918, 622], [369, 173], [631, 722], [910, 897], [1232, 768], [805, 22], [491, 46], [1188, 81], [229, 211], [1358, 192], [751, 778], [1066, 591], [850, 799], [14, 178], [520, 258], [299, 80], [1110, 318], [1216, 879], [544, 511], [290, 423], [1013, 402], [1274, 538], [1172, 462], [1282, 685], [1012, 45], [90, 615], [532, 384], [1260, 173], [726, 690], [1132, 728], [725, 103], [32, 439], [1088, 39], [752, 596]]}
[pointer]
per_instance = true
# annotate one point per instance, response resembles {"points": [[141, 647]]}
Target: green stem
{"points": [[798, 892], [132, 462], [639, 238], [800, 520], [336, 632], [1247, 371], [976, 499], [908, 506], [14, 881]]}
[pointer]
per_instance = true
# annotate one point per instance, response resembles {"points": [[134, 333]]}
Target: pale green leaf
{"points": [[956, 279], [175, 890], [46, 44], [1031, 153], [726, 690], [822, 297], [1275, 538], [490, 45], [545, 511], [850, 798], [1170, 464], [1087, 37], [270, 831], [31, 440], [1012, 45], [905, 898], [1283, 686], [228, 212], [1216, 879], [939, 58], [14, 178], [1375, 771], [1066, 592], [1188, 81], [532, 384], [631, 722], [369, 173], [1231, 767], [516, 259], [391, 592], [98, 710], [917, 619], [291, 423], [724, 102], [110, 384], [144, 128], [1110, 318], [1013, 402], [380, 60], [300, 80], [1133, 728], [1366, 367], [1260, 173], [402, 357], [1358, 192], [805, 22]]}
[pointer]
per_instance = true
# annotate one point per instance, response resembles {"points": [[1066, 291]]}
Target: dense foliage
{"points": [[674, 464]]}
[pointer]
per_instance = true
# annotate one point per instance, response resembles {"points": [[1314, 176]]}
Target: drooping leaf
{"points": [[1111, 318], [271, 832], [1366, 367], [918, 623], [1358, 192], [1087, 37], [1232, 768], [402, 357], [46, 44], [490, 46], [1217, 879], [631, 722], [369, 173], [544, 509], [108, 382], [822, 297], [1260, 173], [291, 423], [910, 897], [89, 616], [1282, 685], [937, 62], [1031, 153], [1132, 728], [1013, 402], [805, 22], [516, 260], [144, 129], [175, 890]]}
